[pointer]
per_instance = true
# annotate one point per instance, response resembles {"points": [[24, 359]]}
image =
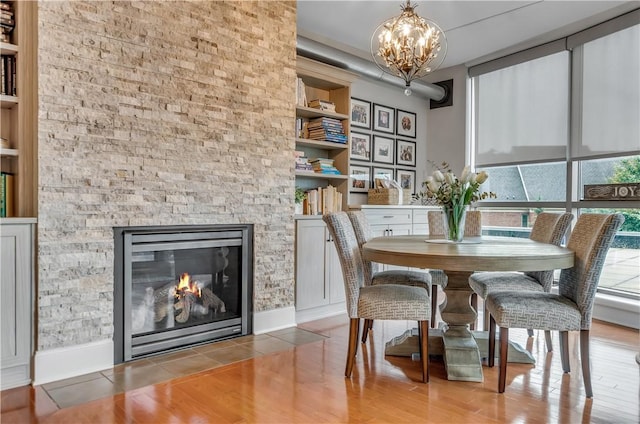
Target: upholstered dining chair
{"points": [[373, 276], [472, 228], [548, 228], [375, 302], [569, 310]]}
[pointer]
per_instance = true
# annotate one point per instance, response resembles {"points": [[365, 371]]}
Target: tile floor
{"points": [[146, 371]]}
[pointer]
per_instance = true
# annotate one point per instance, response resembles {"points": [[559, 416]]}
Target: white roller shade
{"points": [[523, 112], [610, 95]]}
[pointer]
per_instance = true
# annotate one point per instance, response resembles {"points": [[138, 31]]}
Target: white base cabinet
{"points": [[319, 281], [16, 287]]}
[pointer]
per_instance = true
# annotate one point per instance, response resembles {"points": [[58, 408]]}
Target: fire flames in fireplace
{"points": [[186, 286]]}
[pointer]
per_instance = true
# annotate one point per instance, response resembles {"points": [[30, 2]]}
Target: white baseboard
{"points": [[617, 310], [58, 364], [274, 319], [320, 312]]}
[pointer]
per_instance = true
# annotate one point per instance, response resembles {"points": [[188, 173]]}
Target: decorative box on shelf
{"points": [[388, 196]]}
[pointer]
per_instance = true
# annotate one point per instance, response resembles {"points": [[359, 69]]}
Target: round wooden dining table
{"points": [[459, 261]]}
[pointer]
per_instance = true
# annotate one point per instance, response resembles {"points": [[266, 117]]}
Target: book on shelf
{"points": [[322, 200], [8, 72], [301, 93], [324, 105], [6, 195]]}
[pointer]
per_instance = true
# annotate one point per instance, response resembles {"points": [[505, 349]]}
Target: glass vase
{"points": [[454, 217]]}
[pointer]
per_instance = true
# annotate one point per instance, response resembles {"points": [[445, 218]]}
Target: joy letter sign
{"points": [[625, 191]]}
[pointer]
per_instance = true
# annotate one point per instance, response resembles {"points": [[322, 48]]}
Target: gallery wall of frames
{"points": [[383, 145]]}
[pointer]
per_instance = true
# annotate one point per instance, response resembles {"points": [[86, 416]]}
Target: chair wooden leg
{"points": [[547, 339], [504, 351], [434, 304], [564, 351], [424, 349], [368, 325], [584, 358], [354, 326], [474, 305], [485, 323], [492, 342]]}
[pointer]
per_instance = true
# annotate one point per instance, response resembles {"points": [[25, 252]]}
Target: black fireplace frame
{"points": [[186, 337]]}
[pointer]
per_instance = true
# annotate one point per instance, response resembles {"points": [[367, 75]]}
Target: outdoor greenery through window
{"points": [[599, 137]]}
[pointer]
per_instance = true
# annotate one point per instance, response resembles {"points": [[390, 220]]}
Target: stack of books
{"points": [[302, 163], [327, 129], [324, 105], [7, 22], [322, 200], [323, 166]]}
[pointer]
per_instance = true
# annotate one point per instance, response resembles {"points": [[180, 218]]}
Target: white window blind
{"points": [[522, 112], [609, 122]]}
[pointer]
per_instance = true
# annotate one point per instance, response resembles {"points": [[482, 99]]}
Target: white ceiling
{"points": [[475, 30]]}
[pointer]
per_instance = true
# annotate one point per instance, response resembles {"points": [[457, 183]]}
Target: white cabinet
{"points": [[16, 283], [319, 281]]}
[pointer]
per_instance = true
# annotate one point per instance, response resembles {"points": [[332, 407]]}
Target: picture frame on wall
{"points": [[360, 113], [359, 179], [383, 118], [405, 152], [406, 124], [383, 149], [407, 179], [360, 146], [380, 173]]}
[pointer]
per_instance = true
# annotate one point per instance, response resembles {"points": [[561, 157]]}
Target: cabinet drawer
{"points": [[389, 216], [420, 217]]}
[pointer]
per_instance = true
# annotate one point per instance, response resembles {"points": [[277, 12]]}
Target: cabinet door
{"points": [[311, 289], [334, 272], [15, 297]]}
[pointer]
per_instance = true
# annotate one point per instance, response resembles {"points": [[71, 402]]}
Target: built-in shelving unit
{"points": [[19, 113], [325, 82]]}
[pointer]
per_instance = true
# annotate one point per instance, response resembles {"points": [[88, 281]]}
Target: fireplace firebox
{"points": [[177, 286]]}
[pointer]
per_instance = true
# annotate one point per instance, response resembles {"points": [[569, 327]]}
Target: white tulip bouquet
{"points": [[454, 194]]}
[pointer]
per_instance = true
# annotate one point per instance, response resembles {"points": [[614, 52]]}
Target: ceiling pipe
{"points": [[314, 50]]}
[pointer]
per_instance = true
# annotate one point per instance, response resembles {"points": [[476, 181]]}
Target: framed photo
{"points": [[405, 152], [407, 179], [360, 113], [406, 124], [360, 179], [379, 173], [383, 118], [383, 149], [360, 146]]}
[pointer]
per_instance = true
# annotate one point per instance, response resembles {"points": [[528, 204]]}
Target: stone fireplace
{"points": [[177, 286], [144, 126]]}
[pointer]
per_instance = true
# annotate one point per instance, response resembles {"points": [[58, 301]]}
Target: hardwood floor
{"points": [[305, 384]]}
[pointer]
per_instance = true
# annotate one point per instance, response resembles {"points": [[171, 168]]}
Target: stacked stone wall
{"points": [[159, 113]]}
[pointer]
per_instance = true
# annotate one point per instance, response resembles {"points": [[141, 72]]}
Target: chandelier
{"points": [[408, 46]]}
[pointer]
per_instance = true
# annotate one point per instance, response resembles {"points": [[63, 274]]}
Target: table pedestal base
{"points": [[459, 357]]}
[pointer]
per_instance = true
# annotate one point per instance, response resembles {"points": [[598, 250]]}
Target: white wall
{"points": [[446, 126]]}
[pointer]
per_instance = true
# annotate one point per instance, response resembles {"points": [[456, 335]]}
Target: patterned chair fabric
{"points": [[548, 228], [569, 310], [373, 276], [384, 301]]}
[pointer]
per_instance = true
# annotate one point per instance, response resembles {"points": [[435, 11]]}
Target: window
{"points": [[524, 108]]}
